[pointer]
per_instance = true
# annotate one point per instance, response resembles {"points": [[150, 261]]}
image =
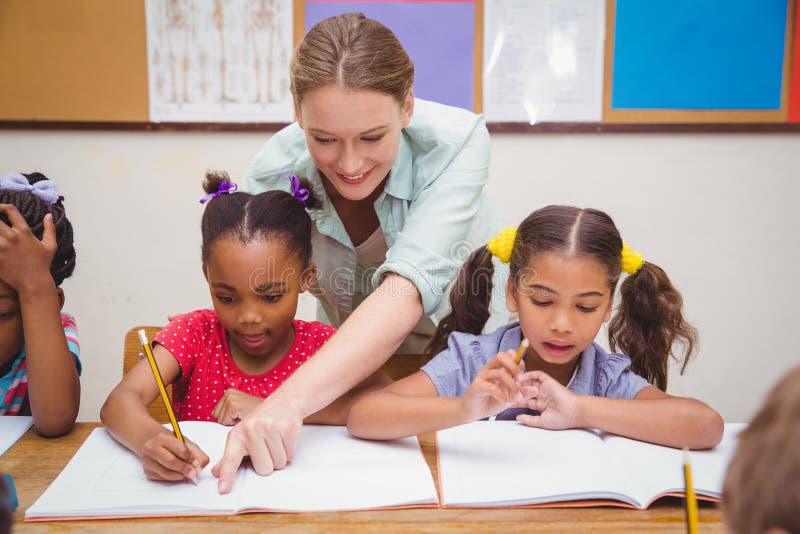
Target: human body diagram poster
{"points": [[219, 60]]}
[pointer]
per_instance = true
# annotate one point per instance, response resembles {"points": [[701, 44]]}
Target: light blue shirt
{"points": [[432, 211], [598, 372]]}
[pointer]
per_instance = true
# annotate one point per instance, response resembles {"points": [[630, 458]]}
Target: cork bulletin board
{"points": [[82, 64]]}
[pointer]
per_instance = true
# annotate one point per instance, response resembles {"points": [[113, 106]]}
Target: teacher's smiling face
{"points": [[353, 136]]}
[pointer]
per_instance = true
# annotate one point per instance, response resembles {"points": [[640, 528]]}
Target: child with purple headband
{"points": [[223, 362], [39, 363]]}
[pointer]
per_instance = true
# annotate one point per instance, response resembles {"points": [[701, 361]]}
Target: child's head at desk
{"points": [[33, 248], [762, 486]]}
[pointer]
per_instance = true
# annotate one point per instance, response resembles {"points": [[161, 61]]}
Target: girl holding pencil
{"points": [[222, 363], [565, 264]]}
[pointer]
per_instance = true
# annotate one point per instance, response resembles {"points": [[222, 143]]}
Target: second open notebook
{"points": [[504, 463], [330, 471]]}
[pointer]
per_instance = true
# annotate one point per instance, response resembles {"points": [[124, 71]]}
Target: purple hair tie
{"points": [[46, 190], [224, 187], [300, 193]]}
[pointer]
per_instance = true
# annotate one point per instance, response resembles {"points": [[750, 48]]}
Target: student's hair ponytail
{"points": [[649, 324], [469, 300]]}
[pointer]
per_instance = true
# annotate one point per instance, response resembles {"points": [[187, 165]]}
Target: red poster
{"points": [[794, 87]]}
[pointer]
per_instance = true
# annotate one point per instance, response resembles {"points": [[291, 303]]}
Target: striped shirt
{"points": [[14, 385]]}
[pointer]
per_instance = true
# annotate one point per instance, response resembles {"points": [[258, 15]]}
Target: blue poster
{"points": [[699, 55], [439, 37]]}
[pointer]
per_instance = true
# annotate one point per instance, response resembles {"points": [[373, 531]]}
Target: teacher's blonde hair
{"points": [[352, 51]]}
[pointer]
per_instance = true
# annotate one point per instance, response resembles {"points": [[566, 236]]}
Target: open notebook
{"points": [[330, 471], [12, 427], [504, 463]]}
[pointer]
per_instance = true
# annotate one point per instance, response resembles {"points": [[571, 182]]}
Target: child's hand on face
{"points": [[494, 388], [234, 406], [24, 259], [166, 458], [558, 406]]}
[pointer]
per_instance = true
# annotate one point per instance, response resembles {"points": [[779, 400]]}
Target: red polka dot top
{"points": [[198, 341]]}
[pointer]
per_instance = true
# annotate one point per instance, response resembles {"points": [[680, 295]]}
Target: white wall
{"points": [[717, 211]]}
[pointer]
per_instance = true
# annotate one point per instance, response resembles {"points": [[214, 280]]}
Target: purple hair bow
{"points": [[46, 190], [300, 193], [224, 187]]}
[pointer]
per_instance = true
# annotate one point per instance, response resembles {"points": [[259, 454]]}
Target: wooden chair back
{"points": [[133, 348]]}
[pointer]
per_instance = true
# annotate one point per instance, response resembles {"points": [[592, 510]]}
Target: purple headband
{"points": [[224, 187], [46, 190], [299, 193]]}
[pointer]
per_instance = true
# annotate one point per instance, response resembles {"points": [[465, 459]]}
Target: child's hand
{"points": [[557, 405], [24, 259], [234, 406], [166, 458], [494, 388]]}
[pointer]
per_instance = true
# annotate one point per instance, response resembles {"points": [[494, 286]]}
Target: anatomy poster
{"points": [[219, 60]]}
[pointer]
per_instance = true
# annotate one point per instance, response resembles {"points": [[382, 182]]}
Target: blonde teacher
{"points": [[401, 182]]}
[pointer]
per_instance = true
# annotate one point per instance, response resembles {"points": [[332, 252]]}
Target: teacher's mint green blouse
{"points": [[433, 211]]}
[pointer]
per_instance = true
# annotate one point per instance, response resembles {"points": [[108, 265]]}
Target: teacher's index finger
{"points": [[225, 470]]}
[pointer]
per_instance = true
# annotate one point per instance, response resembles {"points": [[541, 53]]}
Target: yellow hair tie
{"points": [[632, 261], [502, 244]]}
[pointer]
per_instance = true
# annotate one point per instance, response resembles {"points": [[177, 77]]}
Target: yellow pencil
{"points": [[161, 389], [521, 351], [691, 499]]}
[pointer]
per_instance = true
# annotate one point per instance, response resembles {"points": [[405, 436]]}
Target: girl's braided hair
{"points": [[33, 209]]}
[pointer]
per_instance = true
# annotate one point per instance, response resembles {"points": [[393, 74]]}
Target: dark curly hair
{"points": [[269, 214], [33, 209]]}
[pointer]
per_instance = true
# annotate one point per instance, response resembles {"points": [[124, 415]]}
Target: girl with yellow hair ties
{"points": [[565, 263]]}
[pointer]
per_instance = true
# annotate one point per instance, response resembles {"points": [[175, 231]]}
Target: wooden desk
{"points": [[34, 462]]}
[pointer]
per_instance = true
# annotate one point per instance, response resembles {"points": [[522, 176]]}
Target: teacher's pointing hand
{"points": [[268, 435]]}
